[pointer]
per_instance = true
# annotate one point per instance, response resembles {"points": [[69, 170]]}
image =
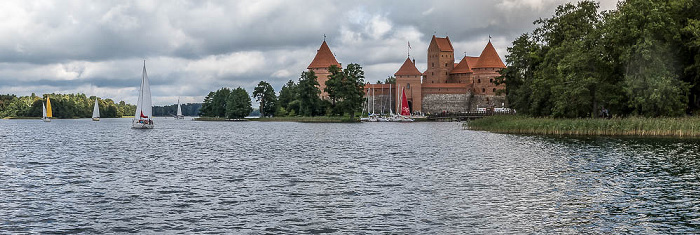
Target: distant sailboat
{"points": [[179, 111], [47, 113], [142, 117], [96, 111]]}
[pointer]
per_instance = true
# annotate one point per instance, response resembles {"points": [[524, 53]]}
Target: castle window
{"points": [[432, 73], [433, 64], [491, 80], [408, 86], [483, 90], [478, 81], [494, 89], [445, 64]]}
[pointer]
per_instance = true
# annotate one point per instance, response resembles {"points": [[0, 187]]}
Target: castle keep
{"points": [[443, 86]]}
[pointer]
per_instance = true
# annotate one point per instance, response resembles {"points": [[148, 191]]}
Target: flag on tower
{"points": [[409, 45]]}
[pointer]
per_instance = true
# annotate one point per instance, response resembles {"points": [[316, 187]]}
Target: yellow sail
{"points": [[48, 107]]}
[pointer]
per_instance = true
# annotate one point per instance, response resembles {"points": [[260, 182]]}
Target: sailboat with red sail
{"points": [[405, 111]]}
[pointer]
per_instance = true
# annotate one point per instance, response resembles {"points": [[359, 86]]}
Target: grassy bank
{"points": [[633, 126], [21, 118], [319, 119]]}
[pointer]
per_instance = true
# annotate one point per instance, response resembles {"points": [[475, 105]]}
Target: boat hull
{"points": [[141, 125], [95, 119], [45, 119], [179, 117]]}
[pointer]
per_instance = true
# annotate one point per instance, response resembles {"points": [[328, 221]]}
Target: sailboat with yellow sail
{"points": [[46, 110]]}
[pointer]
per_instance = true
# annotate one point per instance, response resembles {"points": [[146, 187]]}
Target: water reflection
{"points": [[252, 177]]}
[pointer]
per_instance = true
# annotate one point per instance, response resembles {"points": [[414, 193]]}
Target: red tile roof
{"points": [[408, 68], [471, 60], [443, 44], [462, 67], [324, 58], [489, 58]]}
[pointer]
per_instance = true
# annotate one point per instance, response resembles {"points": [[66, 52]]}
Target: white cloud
{"points": [[193, 47]]}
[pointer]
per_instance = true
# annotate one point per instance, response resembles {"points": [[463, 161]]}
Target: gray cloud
{"points": [[193, 47]]}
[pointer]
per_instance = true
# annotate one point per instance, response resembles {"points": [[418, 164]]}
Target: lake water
{"points": [[257, 177]]}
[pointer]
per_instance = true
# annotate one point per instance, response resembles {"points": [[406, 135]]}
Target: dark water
{"points": [[251, 178]]}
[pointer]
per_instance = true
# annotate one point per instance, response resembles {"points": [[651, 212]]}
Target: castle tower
{"points": [[440, 60], [462, 73], [408, 78], [324, 59], [486, 70]]}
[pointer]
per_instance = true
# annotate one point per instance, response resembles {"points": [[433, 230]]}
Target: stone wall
{"points": [[484, 101], [436, 103]]}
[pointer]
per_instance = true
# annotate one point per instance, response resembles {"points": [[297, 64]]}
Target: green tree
{"points": [[307, 94], [238, 104], [390, 80], [265, 95], [287, 95], [347, 87], [334, 85]]}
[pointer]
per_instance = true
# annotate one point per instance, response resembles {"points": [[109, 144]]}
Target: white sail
{"points": [[43, 109], [179, 110], [142, 117], [96, 110], [143, 106]]}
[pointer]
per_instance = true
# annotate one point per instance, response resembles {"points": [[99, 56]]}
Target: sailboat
{"points": [[96, 111], [179, 111], [46, 111], [142, 117], [405, 110]]}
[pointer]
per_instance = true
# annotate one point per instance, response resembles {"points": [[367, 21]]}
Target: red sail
{"points": [[404, 104], [143, 116]]}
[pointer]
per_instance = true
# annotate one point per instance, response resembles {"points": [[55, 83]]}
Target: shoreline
{"points": [[631, 126], [317, 119]]}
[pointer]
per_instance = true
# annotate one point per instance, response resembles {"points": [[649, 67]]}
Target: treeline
{"points": [[189, 109], [62, 105], [642, 58], [344, 89]]}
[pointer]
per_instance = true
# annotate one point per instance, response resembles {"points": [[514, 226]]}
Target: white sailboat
{"points": [[96, 111], [142, 117], [179, 111], [46, 114]]}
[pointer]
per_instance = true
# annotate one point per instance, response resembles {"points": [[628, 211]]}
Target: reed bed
{"points": [[631, 126]]}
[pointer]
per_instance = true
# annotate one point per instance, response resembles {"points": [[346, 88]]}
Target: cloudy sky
{"points": [[193, 47]]}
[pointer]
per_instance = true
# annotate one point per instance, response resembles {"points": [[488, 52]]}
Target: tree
{"points": [[390, 80], [265, 95], [287, 94], [238, 104], [347, 86], [647, 37], [207, 106], [334, 84], [307, 94]]}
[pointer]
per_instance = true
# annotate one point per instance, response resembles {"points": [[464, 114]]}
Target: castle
{"points": [[443, 86]]}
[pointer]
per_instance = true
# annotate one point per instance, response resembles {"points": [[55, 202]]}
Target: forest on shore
{"points": [[640, 59], [63, 106], [345, 89]]}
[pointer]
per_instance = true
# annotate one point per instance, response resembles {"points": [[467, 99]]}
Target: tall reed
{"points": [[631, 126]]}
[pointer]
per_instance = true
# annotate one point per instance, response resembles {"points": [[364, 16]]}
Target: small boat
{"points": [[96, 111], [46, 110], [142, 117], [179, 111]]}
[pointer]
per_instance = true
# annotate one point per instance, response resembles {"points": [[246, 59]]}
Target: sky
{"points": [[193, 47]]}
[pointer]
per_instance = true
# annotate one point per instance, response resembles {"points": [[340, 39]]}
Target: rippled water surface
{"points": [[258, 177]]}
